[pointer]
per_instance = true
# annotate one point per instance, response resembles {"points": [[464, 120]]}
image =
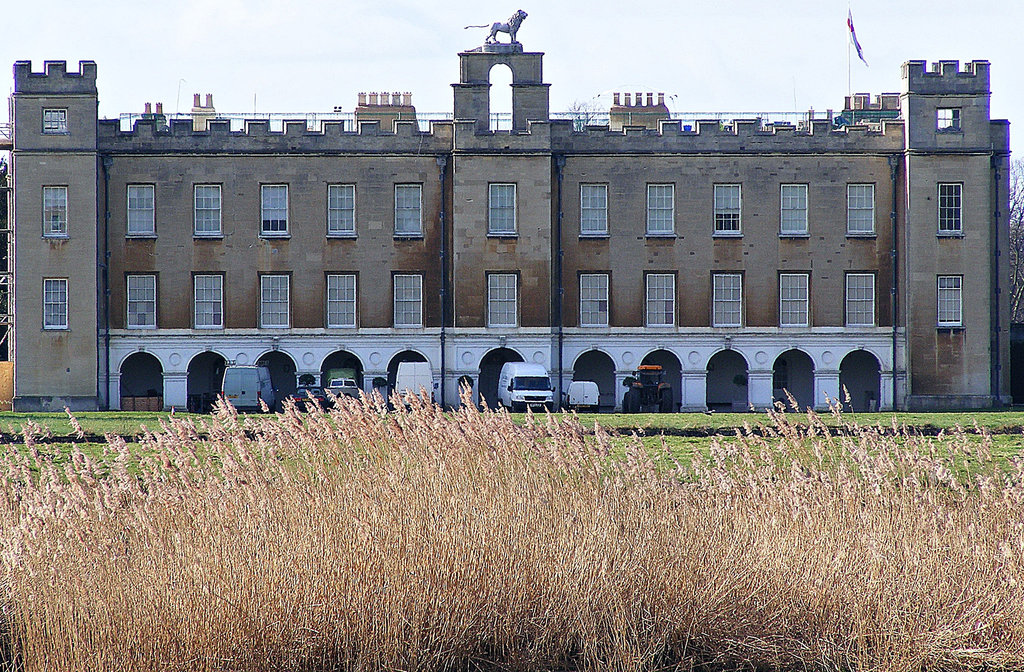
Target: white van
{"points": [[412, 377], [245, 386], [583, 395], [521, 384]]}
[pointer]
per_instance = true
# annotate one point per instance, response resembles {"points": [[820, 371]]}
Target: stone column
{"points": [[826, 383], [176, 389], [695, 391], [885, 393], [114, 389], [759, 388]]}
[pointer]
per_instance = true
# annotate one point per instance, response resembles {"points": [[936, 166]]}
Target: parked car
{"points": [[522, 385], [303, 393], [583, 395], [246, 386]]}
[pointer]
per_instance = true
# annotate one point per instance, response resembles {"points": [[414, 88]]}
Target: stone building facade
{"points": [[746, 258]]}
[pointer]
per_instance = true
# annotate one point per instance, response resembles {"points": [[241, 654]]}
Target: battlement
{"points": [[55, 78], [181, 136], [817, 134], [945, 77]]}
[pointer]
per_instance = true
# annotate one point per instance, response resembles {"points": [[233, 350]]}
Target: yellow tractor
{"points": [[647, 391]]}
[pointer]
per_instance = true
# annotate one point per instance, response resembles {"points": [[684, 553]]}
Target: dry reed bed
{"points": [[363, 540]]}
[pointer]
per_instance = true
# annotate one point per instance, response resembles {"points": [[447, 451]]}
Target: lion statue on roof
{"points": [[512, 27]]}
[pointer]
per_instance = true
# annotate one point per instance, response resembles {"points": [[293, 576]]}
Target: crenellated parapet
{"points": [[55, 78], [179, 136], [743, 135], [946, 77]]}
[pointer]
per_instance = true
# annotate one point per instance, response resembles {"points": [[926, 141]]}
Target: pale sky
{"points": [[311, 55]]}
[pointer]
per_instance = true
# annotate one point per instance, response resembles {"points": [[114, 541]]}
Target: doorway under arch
{"points": [[341, 359], [673, 372], [142, 382], [859, 375], [282, 374], [727, 382], [490, 369], [404, 356], [203, 382], [597, 366], [793, 372]]}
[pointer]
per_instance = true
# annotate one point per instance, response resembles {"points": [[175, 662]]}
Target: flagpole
{"points": [[849, 85]]}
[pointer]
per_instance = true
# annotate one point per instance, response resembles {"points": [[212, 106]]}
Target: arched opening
{"points": [[490, 368], [501, 97], [142, 383], [859, 375], [673, 373], [341, 364], [404, 356], [793, 372], [282, 374], [597, 366], [204, 380], [727, 382]]}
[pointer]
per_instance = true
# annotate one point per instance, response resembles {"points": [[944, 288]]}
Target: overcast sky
{"points": [[313, 55]]}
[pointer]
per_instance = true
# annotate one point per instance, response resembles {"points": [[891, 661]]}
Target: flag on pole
{"points": [[853, 36]]}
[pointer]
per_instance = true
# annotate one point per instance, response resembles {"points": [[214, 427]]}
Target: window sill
{"points": [[342, 236], [51, 133], [950, 234], [210, 328], [408, 326], [949, 131], [663, 327], [46, 330], [504, 236], [594, 236], [860, 326], [55, 236], [727, 326], [275, 236], [140, 236], [664, 236], [274, 326], [798, 236], [950, 328], [727, 234], [865, 236], [593, 326], [141, 327], [208, 236], [342, 326], [408, 236]]}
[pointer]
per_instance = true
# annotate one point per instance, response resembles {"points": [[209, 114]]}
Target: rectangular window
{"points": [[661, 299], [727, 209], [55, 212], [950, 295], [341, 300], [141, 301], [274, 301], [209, 301], [661, 209], [594, 300], [55, 303], [950, 208], [502, 300], [860, 300], [860, 209], [341, 210], [501, 209], [728, 300], [794, 210], [55, 121], [206, 210], [274, 209], [947, 119], [593, 209], [793, 300], [141, 208], [408, 300], [408, 220]]}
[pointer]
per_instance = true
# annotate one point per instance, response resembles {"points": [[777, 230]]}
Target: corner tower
{"points": [[55, 237]]}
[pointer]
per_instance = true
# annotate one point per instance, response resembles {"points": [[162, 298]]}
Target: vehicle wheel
{"points": [[631, 402], [665, 402]]}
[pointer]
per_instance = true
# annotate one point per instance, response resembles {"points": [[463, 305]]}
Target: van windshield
{"points": [[531, 383]]}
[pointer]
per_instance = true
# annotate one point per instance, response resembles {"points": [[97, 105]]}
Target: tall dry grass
{"points": [[363, 540]]}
